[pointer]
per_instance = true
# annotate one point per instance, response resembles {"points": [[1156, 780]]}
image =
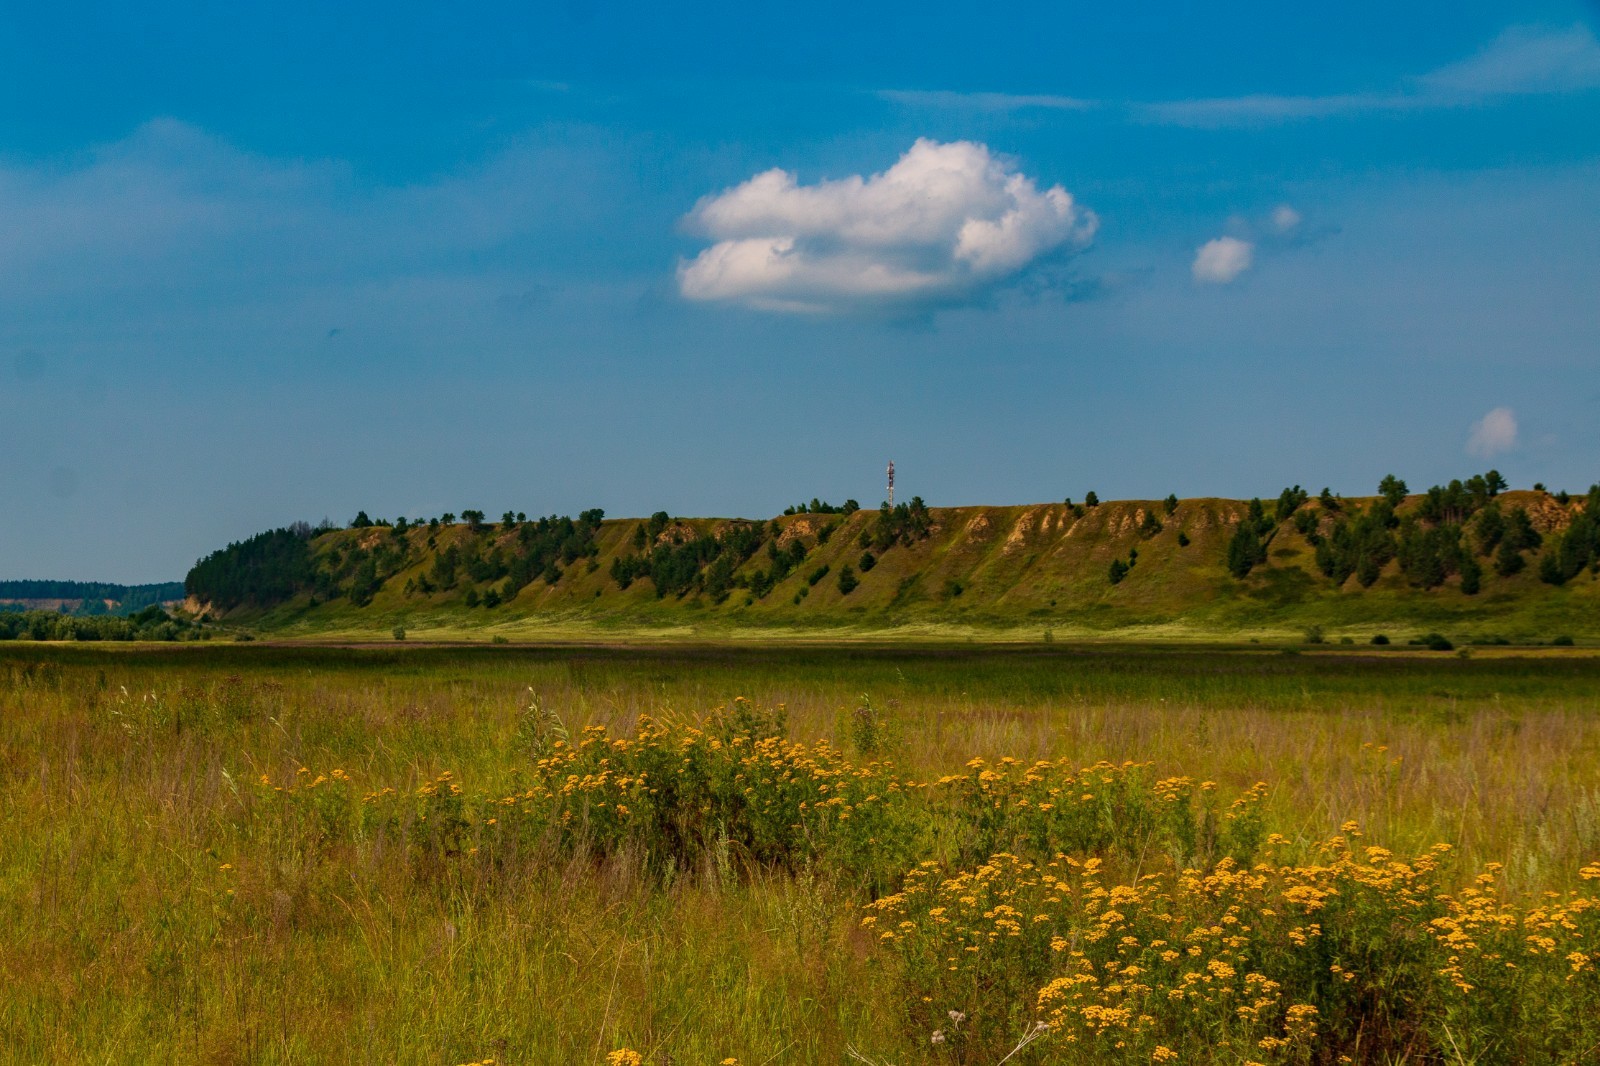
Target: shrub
{"points": [[1562, 641], [867, 561], [1348, 954], [399, 632], [866, 728], [847, 580], [1380, 639], [1507, 560]]}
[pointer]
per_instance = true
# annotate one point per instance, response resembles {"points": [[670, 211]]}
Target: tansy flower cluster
{"points": [[1353, 952]]}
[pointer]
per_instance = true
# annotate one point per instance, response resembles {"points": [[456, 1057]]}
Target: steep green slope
{"points": [[944, 571]]}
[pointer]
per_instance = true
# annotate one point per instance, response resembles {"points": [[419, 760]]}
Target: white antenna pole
{"points": [[891, 482]]}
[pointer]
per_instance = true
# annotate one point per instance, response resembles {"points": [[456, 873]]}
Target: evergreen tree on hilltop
{"points": [[1392, 489], [1247, 549]]}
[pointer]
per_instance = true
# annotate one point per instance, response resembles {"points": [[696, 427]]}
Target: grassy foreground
{"points": [[253, 854]]}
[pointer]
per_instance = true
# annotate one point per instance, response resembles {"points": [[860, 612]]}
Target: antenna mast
{"points": [[891, 482]]}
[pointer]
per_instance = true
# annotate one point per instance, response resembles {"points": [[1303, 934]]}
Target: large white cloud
{"points": [[1493, 434], [945, 223]]}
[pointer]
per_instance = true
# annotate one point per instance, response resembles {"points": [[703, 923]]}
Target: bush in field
{"points": [[679, 795], [1350, 954]]}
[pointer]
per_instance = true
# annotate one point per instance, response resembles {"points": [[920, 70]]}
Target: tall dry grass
{"points": [[150, 914]]}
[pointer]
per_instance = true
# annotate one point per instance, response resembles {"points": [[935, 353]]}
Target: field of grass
{"points": [[246, 853]]}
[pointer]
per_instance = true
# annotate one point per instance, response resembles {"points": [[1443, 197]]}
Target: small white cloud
{"points": [[1285, 220], [1219, 261], [1493, 434], [946, 223]]}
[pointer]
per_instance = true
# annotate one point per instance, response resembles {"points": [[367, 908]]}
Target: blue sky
{"points": [[261, 263]]}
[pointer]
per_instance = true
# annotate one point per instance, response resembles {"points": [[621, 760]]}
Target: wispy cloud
{"points": [[1493, 434], [946, 100], [1262, 108], [171, 207], [1522, 61]]}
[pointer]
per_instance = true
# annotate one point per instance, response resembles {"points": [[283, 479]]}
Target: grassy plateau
{"points": [[936, 574], [708, 854]]}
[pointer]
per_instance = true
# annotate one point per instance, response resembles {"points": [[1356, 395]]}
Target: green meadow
{"points": [[692, 854]]}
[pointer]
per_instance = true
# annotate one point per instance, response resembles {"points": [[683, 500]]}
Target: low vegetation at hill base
{"points": [[149, 623], [1043, 855], [1470, 559]]}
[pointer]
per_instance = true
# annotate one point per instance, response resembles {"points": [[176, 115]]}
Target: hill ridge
{"points": [[1197, 566]]}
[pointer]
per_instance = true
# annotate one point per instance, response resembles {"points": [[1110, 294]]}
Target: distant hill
{"points": [[1467, 560], [86, 597]]}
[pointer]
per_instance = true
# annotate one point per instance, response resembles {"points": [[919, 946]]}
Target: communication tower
{"points": [[891, 482]]}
